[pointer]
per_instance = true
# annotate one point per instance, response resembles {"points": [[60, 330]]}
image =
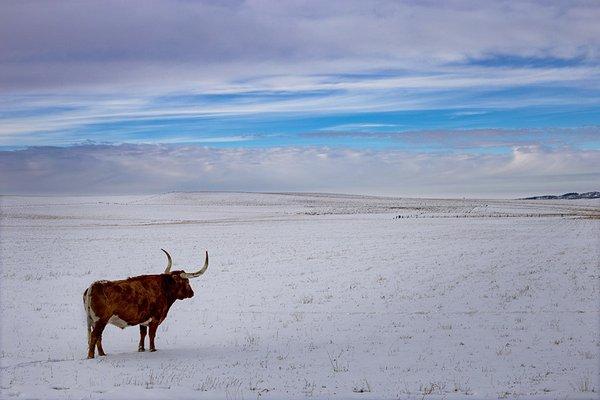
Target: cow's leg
{"points": [[99, 346], [95, 337], [143, 330], [153, 327]]}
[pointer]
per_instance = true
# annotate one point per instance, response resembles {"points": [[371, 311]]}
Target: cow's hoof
{"points": [[152, 350], [102, 355], [90, 357], [141, 349]]}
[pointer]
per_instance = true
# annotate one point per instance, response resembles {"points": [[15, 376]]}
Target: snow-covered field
{"points": [[319, 296]]}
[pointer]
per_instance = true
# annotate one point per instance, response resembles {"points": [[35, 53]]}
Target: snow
{"points": [[307, 296]]}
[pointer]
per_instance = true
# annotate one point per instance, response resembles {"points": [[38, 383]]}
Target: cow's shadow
{"points": [[180, 354]]}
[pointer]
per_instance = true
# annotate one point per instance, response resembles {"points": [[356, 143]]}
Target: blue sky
{"points": [[453, 84]]}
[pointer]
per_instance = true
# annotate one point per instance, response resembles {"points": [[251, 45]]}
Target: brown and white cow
{"points": [[143, 300]]}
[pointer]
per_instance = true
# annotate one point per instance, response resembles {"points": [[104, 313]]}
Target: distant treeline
{"points": [[566, 196]]}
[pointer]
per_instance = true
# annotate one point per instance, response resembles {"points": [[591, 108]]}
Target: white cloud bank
{"points": [[128, 168]]}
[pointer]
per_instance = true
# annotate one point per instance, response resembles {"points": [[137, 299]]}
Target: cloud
{"points": [[68, 66], [474, 139], [118, 45], [139, 168], [163, 71]]}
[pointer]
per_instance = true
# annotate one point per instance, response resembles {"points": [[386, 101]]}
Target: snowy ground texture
{"points": [[308, 296]]}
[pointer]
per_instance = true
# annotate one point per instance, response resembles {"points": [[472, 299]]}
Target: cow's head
{"points": [[180, 280], [180, 287]]}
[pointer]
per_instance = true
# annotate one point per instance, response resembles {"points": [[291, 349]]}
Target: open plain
{"points": [[307, 296]]}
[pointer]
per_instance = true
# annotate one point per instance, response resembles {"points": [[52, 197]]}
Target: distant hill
{"points": [[566, 196]]}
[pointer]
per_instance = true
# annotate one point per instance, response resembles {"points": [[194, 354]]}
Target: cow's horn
{"points": [[170, 262], [197, 274]]}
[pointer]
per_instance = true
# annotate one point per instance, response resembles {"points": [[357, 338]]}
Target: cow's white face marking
{"points": [[116, 321], [146, 323]]}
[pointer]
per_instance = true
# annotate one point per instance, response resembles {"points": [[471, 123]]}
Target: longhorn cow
{"points": [[142, 300]]}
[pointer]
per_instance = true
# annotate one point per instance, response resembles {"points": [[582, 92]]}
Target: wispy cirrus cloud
{"points": [[206, 42], [475, 140], [67, 67]]}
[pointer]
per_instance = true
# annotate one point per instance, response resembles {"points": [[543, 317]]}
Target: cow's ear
{"points": [[168, 279]]}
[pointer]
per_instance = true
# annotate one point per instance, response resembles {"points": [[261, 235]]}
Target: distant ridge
{"points": [[566, 196]]}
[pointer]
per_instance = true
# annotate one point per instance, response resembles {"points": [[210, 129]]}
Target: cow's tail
{"points": [[88, 311]]}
